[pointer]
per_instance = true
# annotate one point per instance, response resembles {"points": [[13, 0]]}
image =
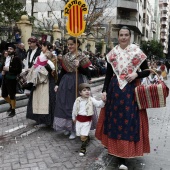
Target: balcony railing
{"points": [[164, 9], [165, 1], [130, 4], [124, 20], [164, 16], [164, 29], [164, 37], [164, 22]]}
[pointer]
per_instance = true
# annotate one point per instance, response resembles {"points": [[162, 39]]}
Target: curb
{"points": [[22, 99]]}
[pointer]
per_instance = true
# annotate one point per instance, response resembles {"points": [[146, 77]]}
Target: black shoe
{"points": [[9, 110], [82, 151], [12, 114]]}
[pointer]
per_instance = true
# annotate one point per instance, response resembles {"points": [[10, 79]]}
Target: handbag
{"points": [[153, 95], [22, 80]]}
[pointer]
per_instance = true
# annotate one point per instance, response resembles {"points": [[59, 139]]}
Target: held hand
{"points": [[90, 82], [76, 62], [5, 68], [55, 88], [131, 77], [104, 96]]}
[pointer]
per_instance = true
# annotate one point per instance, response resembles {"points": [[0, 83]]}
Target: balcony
{"points": [[123, 20], [129, 4], [165, 9], [165, 1], [164, 22], [164, 16], [165, 51], [164, 44], [164, 30], [164, 37], [153, 26]]}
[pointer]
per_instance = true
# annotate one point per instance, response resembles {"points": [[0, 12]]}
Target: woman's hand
{"points": [[55, 88], [131, 77], [76, 62], [104, 96]]}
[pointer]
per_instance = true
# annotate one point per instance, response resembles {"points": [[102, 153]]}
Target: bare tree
{"points": [[98, 11]]}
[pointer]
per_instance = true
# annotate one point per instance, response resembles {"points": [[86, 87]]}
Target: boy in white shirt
{"points": [[82, 114]]}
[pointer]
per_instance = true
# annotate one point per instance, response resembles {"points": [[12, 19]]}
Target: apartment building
{"points": [[138, 15], [46, 12], [156, 20], [149, 24], [164, 6], [127, 13]]}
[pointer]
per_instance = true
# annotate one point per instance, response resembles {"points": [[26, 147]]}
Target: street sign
{"points": [[75, 11]]}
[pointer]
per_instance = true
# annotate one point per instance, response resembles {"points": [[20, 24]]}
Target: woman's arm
{"points": [[143, 73], [109, 74]]}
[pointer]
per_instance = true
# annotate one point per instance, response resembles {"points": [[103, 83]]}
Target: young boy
{"points": [[82, 114]]}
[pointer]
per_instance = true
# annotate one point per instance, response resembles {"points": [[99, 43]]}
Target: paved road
{"points": [[44, 149]]}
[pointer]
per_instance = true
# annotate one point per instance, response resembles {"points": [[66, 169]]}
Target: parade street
{"points": [[24, 147]]}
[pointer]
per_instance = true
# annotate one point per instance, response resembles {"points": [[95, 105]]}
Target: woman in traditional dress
{"points": [[66, 87], [41, 102], [122, 127]]}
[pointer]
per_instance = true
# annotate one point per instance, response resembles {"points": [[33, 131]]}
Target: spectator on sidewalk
{"points": [[21, 52], [32, 53], [66, 86], [17, 37], [122, 127], [82, 114], [10, 68], [41, 102]]}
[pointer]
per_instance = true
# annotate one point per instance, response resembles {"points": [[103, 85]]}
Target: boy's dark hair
{"points": [[83, 85]]}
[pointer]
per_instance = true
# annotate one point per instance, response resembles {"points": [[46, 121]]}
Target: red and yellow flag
{"points": [[75, 11]]}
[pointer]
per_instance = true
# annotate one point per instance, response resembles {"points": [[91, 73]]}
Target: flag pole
{"points": [[76, 71]]}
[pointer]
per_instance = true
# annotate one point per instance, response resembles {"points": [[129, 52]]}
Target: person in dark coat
{"points": [[10, 68], [32, 53]]}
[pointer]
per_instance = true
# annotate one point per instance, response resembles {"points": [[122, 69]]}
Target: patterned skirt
{"points": [[122, 127]]}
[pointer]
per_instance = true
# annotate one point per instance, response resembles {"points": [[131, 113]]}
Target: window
{"points": [[50, 14], [62, 13], [146, 33], [144, 4], [144, 18], [143, 31], [147, 19]]}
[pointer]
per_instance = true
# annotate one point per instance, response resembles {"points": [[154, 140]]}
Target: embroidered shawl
{"points": [[68, 61], [125, 61], [89, 106]]}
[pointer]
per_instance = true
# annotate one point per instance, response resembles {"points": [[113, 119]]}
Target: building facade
{"points": [[149, 24], [164, 6], [141, 16]]}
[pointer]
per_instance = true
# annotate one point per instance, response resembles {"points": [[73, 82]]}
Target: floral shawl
{"points": [[68, 61], [125, 61]]}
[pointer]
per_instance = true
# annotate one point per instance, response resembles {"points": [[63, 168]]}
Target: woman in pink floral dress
{"points": [[122, 127]]}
